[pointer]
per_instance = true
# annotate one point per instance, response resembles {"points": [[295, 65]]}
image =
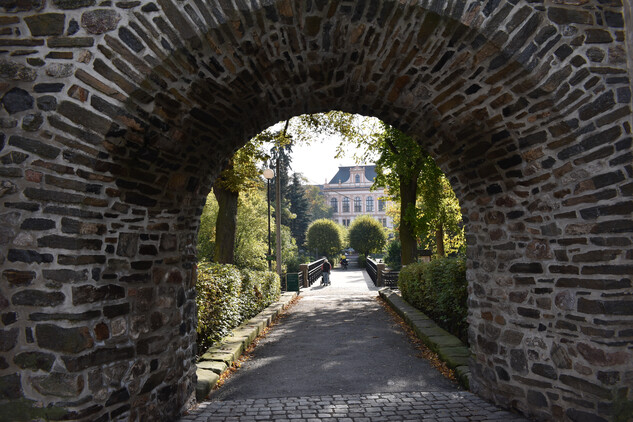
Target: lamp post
{"points": [[269, 174], [278, 214]]}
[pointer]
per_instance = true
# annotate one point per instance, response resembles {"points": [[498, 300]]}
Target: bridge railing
{"points": [[390, 279], [372, 270], [311, 272], [380, 275]]}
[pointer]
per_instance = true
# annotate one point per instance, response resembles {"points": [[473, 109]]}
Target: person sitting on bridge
{"points": [[325, 268]]}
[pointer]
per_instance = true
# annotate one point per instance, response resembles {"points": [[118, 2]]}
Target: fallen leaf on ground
{"points": [[248, 353], [424, 351]]}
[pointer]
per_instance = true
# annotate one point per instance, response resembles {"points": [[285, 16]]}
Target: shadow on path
{"points": [[336, 340], [338, 356]]}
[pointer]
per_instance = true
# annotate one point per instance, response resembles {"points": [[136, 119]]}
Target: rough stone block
{"points": [[70, 42], [454, 356], [206, 382], [216, 366], [243, 335], [37, 298], [18, 278], [67, 340], [100, 21], [58, 384], [234, 349], [463, 374], [35, 361], [17, 100], [73, 4], [10, 387], [585, 386], [215, 355], [98, 358], [8, 339]]}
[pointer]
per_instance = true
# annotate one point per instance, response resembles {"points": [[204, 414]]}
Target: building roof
{"points": [[343, 173], [370, 172]]}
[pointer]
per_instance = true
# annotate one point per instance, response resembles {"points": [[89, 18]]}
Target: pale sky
{"points": [[316, 161]]}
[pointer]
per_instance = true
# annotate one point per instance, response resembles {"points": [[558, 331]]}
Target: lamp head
{"points": [[269, 174]]}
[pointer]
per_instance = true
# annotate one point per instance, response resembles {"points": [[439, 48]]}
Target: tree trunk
{"points": [[225, 226], [408, 194], [439, 239]]}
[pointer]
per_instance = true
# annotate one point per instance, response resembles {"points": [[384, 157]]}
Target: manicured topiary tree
{"points": [[325, 237], [366, 235]]}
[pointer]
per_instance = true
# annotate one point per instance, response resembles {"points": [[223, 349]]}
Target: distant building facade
{"points": [[349, 195]]}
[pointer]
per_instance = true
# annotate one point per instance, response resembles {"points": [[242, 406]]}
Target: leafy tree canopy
{"points": [[318, 207], [251, 237], [243, 170], [434, 216], [438, 212], [240, 174], [300, 208], [400, 156]]}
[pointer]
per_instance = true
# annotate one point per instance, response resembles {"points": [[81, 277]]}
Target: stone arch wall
{"points": [[118, 115]]}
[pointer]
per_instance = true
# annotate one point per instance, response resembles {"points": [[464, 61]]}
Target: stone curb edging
{"points": [[219, 358], [449, 348]]}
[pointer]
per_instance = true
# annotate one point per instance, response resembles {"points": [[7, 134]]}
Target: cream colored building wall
{"points": [[352, 190]]}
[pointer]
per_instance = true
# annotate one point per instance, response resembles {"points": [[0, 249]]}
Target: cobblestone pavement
{"points": [[338, 357], [458, 406]]}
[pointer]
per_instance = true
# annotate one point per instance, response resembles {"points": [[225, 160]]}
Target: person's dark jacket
{"points": [[326, 267]]}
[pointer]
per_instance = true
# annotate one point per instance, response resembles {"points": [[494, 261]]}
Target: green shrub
{"points": [[259, 289], [292, 264], [218, 288], [362, 261], [393, 256], [439, 289], [227, 296]]}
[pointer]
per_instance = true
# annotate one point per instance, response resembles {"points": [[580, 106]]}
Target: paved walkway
{"points": [[338, 356]]}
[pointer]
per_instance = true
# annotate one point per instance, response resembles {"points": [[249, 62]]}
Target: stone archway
{"points": [[117, 117]]}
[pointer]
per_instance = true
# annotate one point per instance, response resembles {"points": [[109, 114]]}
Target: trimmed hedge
{"points": [[227, 296], [439, 289], [393, 256]]}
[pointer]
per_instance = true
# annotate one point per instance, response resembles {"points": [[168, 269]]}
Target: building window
{"points": [[381, 205], [334, 204], [357, 205], [346, 204], [357, 179], [345, 222], [369, 205], [384, 222]]}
